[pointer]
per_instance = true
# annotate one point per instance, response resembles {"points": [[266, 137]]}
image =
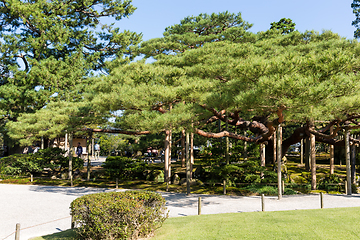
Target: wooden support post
{"points": [[278, 158], [262, 202], [283, 186], [321, 200], [224, 187], [199, 206], [117, 183], [346, 188], [347, 156], [187, 164], [17, 231], [31, 178]]}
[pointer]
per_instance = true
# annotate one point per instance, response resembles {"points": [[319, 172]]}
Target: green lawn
{"points": [[339, 223]]}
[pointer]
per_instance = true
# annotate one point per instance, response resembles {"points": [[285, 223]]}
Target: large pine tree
{"points": [[48, 50]]}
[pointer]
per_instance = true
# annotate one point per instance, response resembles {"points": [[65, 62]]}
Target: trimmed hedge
{"points": [[52, 158], [118, 215], [124, 168]]}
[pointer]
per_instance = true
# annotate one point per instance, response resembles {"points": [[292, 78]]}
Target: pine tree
{"points": [[49, 49]]}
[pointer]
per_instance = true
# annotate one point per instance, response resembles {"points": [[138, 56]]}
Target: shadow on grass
{"points": [[64, 235]]}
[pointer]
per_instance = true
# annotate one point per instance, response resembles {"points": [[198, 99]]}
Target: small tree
{"points": [[285, 25]]}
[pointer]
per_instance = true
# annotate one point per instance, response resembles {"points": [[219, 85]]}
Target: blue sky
{"points": [[152, 17]]}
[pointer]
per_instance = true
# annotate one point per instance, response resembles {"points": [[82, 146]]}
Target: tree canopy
{"points": [[285, 25], [49, 49], [193, 31], [211, 68], [356, 23], [254, 86]]}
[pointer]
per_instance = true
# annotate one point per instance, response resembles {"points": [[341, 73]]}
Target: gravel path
{"points": [[43, 210]]}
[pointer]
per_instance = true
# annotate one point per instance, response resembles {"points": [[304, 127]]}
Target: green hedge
{"points": [[52, 158], [118, 215], [125, 168]]}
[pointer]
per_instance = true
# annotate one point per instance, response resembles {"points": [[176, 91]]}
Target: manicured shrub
{"points": [[118, 215], [125, 168], [20, 164], [51, 158]]}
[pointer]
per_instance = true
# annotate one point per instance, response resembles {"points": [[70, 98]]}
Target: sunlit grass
{"points": [[339, 223]]}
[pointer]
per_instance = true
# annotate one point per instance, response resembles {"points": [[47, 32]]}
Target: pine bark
{"points": [[347, 157], [332, 167], [278, 158], [313, 162]]}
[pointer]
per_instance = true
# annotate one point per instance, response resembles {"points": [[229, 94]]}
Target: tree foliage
{"points": [[193, 31], [285, 25], [356, 10], [251, 85], [48, 51]]}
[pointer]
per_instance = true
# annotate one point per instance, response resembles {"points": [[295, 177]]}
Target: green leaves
{"points": [[194, 31], [356, 10], [285, 25], [313, 75], [48, 52]]}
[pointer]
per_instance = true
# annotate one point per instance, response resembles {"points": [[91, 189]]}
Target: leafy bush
{"points": [[243, 172], [266, 190], [55, 158], [118, 215], [51, 158], [19, 164], [124, 168], [156, 175], [330, 183]]}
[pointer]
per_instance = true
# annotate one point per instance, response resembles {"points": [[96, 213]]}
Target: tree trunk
{"points": [[191, 154], [167, 156], [227, 144], [66, 143], [92, 147], [88, 158], [279, 156], [307, 153], [302, 151], [353, 161], [70, 158], [245, 149], [313, 162], [262, 158], [332, 167], [170, 145], [187, 165], [347, 156], [183, 148], [274, 149]]}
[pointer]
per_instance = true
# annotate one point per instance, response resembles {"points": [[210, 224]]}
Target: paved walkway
{"points": [[43, 210]]}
